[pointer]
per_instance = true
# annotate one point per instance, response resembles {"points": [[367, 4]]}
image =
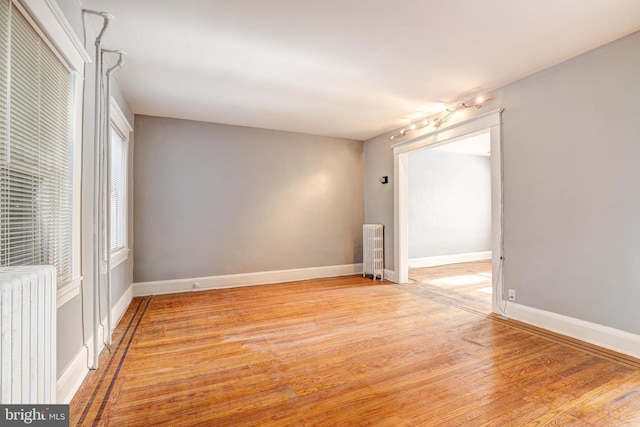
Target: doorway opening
{"points": [[487, 124], [449, 220]]}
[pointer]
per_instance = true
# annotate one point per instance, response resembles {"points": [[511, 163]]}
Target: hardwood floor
{"points": [[466, 284], [346, 352]]}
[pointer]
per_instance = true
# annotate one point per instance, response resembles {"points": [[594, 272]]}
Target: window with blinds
{"points": [[118, 192], [36, 151]]}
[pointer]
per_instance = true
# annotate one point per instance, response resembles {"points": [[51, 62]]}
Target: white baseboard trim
{"points": [[71, 378], [434, 261], [121, 306], [244, 279], [603, 336], [390, 275]]}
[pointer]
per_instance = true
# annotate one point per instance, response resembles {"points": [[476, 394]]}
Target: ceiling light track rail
{"points": [[436, 120]]}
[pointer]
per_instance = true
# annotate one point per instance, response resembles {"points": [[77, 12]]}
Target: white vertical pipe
{"points": [[107, 187], [96, 184], [96, 207]]}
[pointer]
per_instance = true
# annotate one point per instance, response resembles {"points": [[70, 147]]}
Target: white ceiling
{"points": [[346, 68]]}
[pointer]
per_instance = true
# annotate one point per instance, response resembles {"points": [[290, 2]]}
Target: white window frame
{"points": [[121, 125], [49, 21]]}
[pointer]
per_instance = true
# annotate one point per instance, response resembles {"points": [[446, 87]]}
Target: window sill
{"points": [[119, 257], [68, 292]]}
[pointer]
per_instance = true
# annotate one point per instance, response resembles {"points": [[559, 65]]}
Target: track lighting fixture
{"points": [[436, 120]]}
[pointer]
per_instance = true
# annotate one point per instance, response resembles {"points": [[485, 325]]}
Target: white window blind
{"points": [[118, 192], [36, 188]]}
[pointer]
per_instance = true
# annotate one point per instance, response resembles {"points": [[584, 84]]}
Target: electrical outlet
{"points": [[196, 285], [512, 295]]}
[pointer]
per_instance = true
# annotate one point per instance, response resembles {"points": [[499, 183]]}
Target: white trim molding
{"points": [[593, 333], [70, 380], [118, 257], [121, 306], [463, 127], [68, 292], [434, 261], [243, 279], [118, 118], [390, 275], [58, 30], [466, 126]]}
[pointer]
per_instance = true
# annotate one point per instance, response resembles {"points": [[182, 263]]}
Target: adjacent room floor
{"points": [[347, 351], [466, 284]]}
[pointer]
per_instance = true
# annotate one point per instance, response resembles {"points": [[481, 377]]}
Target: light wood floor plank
{"points": [[348, 352]]}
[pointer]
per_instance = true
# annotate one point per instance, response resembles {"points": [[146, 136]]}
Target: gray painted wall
{"points": [[571, 149], [71, 333], [215, 199], [378, 199], [571, 206], [449, 203]]}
